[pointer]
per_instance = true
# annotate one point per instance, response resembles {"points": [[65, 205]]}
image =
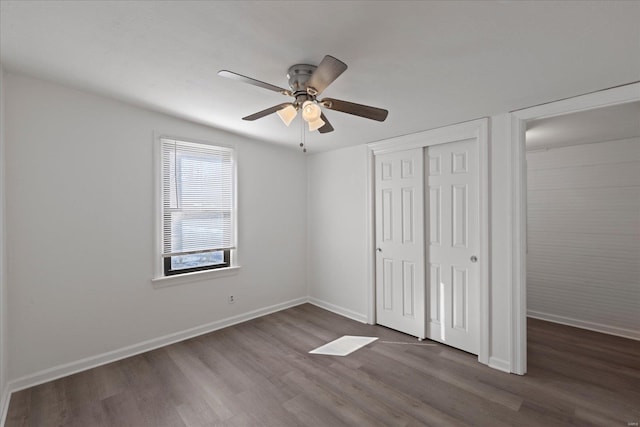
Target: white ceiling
{"points": [[429, 63], [585, 127]]}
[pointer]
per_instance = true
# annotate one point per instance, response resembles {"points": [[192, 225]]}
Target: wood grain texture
{"points": [[260, 373]]}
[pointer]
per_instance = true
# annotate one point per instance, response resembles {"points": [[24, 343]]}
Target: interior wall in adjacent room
{"points": [[583, 262]]}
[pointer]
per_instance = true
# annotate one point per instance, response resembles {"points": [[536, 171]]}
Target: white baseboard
{"points": [[122, 353], [4, 402], [597, 327], [500, 365], [362, 318]]}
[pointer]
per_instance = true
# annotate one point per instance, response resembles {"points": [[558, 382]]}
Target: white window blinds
{"points": [[197, 198]]}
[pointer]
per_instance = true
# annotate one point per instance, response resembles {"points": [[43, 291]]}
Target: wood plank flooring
{"points": [[260, 373]]}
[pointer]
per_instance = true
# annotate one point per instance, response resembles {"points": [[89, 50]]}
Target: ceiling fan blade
{"points": [[327, 126], [328, 70], [365, 111], [239, 77], [271, 110]]}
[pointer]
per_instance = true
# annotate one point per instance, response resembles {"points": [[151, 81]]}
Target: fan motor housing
{"points": [[298, 76]]}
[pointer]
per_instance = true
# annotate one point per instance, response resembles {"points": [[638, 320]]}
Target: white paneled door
{"points": [[453, 243], [400, 281]]}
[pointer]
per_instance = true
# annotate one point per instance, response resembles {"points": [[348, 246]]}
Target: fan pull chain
{"points": [[302, 137]]}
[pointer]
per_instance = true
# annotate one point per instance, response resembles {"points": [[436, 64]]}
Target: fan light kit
{"points": [[311, 114], [287, 114], [307, 82]]}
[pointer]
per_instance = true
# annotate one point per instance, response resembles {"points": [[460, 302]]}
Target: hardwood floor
{"points": [[260, 373]]}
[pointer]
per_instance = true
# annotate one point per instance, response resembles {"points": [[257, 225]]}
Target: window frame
{"points": [[168, 271], [161, 273]]}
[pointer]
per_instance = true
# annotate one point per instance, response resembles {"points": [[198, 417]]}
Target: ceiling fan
{"points": [[307, 82]]}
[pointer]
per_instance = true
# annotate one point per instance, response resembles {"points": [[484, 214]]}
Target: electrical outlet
{"points": [[231, 299]]}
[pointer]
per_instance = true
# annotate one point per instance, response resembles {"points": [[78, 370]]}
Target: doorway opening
{"points": [[575, 188], [583, 219]]}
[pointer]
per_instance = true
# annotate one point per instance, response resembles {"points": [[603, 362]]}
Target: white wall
{"points": [[3, 256], [337, 230], [583, 262], [80, 237], [500, 190]]}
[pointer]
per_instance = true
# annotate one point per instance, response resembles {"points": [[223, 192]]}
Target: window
{"points": [[197, 209]]}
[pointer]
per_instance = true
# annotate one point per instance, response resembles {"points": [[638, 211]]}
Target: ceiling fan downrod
{"points": [[298, 76]]}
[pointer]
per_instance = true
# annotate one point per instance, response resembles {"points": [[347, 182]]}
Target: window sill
{"points": [[197, 276]]}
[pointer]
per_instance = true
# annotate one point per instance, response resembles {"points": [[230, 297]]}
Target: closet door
{"points": [[452, 177], [400, 281]]}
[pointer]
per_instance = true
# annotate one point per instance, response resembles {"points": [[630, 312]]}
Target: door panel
{"points": [[434, 294], [387, 284], [407, 215], [408, 288], [452, 181], [460, 293], [435, 225], [400, 281], [459, 213], [387, 208]]}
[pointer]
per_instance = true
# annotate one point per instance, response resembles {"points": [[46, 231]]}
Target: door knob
{"points": [[474, 258], [379, 249]]}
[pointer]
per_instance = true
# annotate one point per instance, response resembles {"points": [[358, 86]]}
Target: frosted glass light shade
{"points": [[287, 114], [316, 124], [310, 111]]}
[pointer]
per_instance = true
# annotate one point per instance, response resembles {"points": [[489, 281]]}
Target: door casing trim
{"points": [[518, 122]]}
